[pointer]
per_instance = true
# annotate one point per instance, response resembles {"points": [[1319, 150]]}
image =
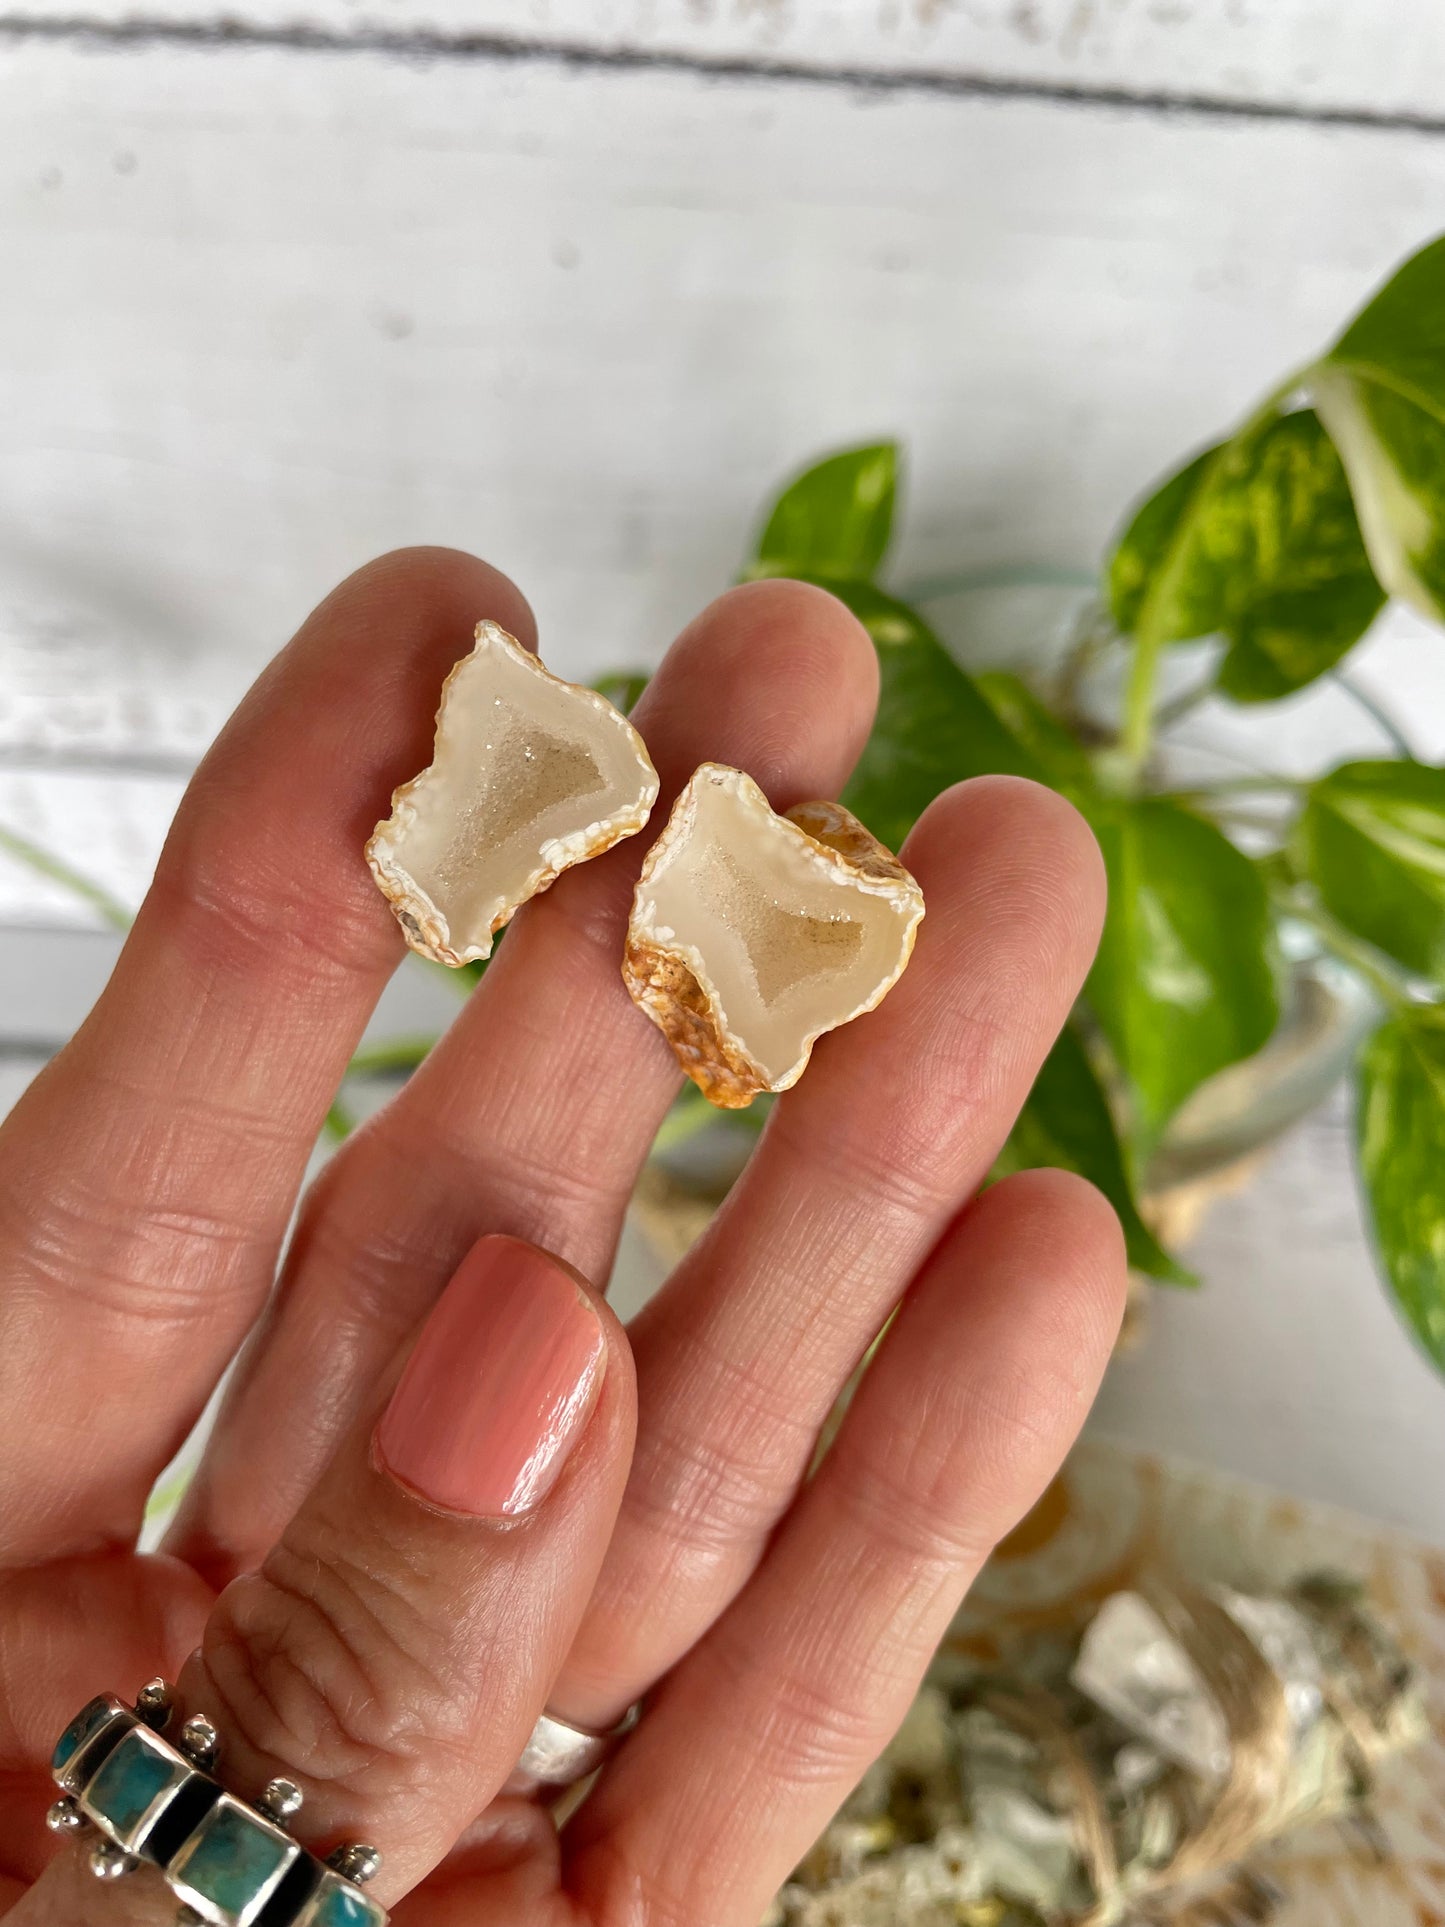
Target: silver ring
{"points": [[559, 1753], [133, 1796]]}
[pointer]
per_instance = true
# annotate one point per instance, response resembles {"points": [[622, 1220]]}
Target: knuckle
{"points": [[817, 1714], [907, 1516], [243, 911], [712, 1495], [896, 1164], [896, 1183], [350, 1265], [625, 1892], [589, 906], [139, 1237], [322, 1664], [357, 1263], [814, 1733], [1024, 1421]]}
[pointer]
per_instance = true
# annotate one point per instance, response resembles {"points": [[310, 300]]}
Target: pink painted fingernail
{"points": [[499, 1387]]}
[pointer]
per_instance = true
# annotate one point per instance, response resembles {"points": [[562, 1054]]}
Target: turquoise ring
{"points": [[230, 1863]]}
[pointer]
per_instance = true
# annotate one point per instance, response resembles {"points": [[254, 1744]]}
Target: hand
{"points": [[382, 1617]]}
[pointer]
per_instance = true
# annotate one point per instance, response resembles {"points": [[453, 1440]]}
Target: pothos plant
{"points": [[1282, 542]]}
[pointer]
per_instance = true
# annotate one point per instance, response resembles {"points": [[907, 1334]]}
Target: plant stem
{"points": [[1236, 786], [44, 863], [462, 980], [1170, 713], [393, 1054], [1362, 958], [339, 1123], [1087, 642], [1233, 817], [1381, 717], [690, 1113], [1002, 575]]}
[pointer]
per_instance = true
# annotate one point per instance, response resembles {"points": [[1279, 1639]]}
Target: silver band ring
{"points": [[559, 1753]]}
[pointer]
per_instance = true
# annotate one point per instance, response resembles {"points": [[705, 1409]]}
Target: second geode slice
{"points": [[753, 933]]}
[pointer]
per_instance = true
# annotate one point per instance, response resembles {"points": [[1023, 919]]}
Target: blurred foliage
{"points": [[1184, 982], [934, 725], [1256, 541], [1066, 1123], [1400, 1134], [1371, 839], [835, 520]]}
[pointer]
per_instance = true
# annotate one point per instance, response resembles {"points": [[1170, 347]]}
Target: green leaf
{"points": [[1394, 454], [1067, 1123], [1143, 549], [46, 864], [1258, 541], [1371, 838], [1184, 981], [933, 726], [1400, 1127], [622, 687], [749, 1117], [1034, 726], [390, 1057], [1400, 332], [1381, 393], [462, 978], [834, 519]]}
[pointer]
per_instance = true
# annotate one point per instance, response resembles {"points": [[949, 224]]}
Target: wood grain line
{"points": [[221, 34]]}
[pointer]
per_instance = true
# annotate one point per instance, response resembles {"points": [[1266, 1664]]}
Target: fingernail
{"points": [[499, 1387]]}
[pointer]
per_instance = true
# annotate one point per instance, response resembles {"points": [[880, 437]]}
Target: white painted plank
{"points": [[49, 980], [107, 829], [268, 313], [1384, 58]]}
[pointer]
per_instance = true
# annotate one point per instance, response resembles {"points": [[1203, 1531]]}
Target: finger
{"points": [[147, 1178], [393, 1651], [508, 1875], [898, 1120], [535, 1113], [977, 1392]]}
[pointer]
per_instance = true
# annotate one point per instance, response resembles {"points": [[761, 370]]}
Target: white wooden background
{"points": [[572, 284]]}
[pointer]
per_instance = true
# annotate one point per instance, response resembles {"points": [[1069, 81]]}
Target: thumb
{"points": [[394, 1651]]}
